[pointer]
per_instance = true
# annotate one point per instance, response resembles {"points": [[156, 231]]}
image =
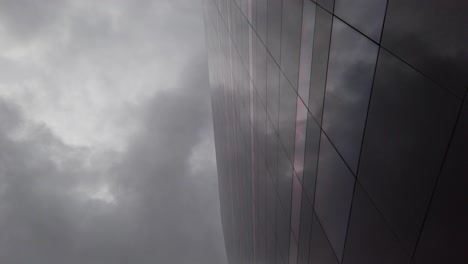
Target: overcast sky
{"points": [[106, 142]]}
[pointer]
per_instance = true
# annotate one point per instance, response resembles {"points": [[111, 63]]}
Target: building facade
{"points": [[341, 129]]}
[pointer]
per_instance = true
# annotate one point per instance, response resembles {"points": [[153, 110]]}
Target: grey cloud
{"points": [[165, 213], [163, 209], [26, 19]]}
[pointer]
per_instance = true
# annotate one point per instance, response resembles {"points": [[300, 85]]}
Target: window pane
{"points": [[445, 228], [365, 15], [370, 240], [350, 72], [335, 184], [291, 39], [318, 74], [430, 35], [320, 249], [408, 130]]}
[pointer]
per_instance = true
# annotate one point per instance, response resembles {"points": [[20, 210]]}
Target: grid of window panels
{"points": [[340, 129]]}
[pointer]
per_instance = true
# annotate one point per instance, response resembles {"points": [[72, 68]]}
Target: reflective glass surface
{"points": [[274, 28], [305, 230], [270, 219], [335, 184], [369, 239], [287, 112], [272, 151], [273, 87], [291, 39], [261, 17], [350, 72], [318, 75], [320, 249], [367, 16], [307, 43], [282, 234], [285, 171], [409, 125], [443, 239], [327, 4], [260, 69], [311, 157], [287, 178], [431, 36]]}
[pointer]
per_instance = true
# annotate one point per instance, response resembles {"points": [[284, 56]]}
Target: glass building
{"points": [[341, 129]]}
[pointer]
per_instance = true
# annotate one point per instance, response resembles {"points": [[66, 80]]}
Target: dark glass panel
{"points": [[287, 116], [431, 35], [311, 157], [327, 4], [292, 249], [369, 239], [366, 16], [318, 75], [284, 185], [273, 90], [408, 130], [349, 80], [305, 230], [296, 205], [270, 219], [444, 237], [261, 70], [335, 184], [282, 233], [272, 151], [307, 43], [274, 28], [261, 7], [320, 249], [291, 39]]}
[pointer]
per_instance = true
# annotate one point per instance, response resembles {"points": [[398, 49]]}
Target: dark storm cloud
{"points": [[154, 202], [164, 211]]}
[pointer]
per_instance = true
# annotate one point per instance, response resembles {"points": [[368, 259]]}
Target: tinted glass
{"points": [[273, 87], [369, 239], [291, 39], [320, 249], [272, 151], [274, 28], [282, 234], [335, 185], [270, 218], [305, 230], [366, 16], [349, 81], [261, 17], [409, 126], [431, 35], [300, 137], [327, 4], [287, 114], [318, 75], [443, 239], [311, 157], [260, 70], [292, 249], [284, 179], [261, 137], [307, 43]]}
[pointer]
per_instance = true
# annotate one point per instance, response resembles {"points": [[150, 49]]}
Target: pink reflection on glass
{"points": [[299, 148], [307, 41]]}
